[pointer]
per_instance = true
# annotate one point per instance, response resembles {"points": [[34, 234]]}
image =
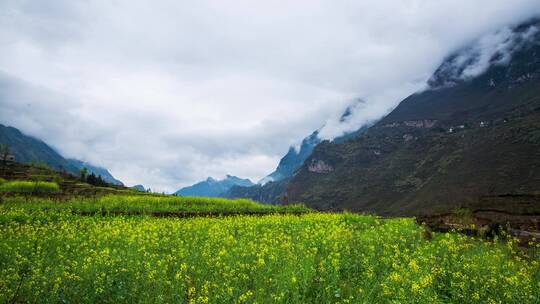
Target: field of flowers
{"points": [[158, 205], [311, 258]]}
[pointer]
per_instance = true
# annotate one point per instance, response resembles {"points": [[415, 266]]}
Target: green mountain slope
{"points": [[293, 159], [272, 188], [460, 140], [27, 149]]}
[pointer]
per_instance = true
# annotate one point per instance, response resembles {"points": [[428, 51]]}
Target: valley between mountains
{"points": [[438, 201]]}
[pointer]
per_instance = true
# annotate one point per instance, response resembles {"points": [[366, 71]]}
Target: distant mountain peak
{"points": [[213, 187], [139, 188], [293, 159], [296, 155]]}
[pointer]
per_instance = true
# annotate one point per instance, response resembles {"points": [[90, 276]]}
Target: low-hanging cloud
{"points": [[166, 93], [494, 48]]}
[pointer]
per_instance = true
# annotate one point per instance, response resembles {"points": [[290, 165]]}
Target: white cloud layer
{"points": [[166, 93], [493, 48]]}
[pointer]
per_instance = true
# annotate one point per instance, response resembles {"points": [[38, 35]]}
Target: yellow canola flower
{"points": [[253, 259]]}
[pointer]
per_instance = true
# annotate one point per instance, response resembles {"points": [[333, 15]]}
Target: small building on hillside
{"points": [[9, 158]]}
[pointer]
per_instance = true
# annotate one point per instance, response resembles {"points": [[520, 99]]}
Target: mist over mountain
{"points": [[217, 87], [472, 133], [293, 159], [306, 151], [272, 188]]}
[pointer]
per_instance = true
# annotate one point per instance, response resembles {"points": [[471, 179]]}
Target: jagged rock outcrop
{"points": [[319, 166]]}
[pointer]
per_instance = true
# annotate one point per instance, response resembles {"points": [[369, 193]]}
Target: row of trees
{"points": [[92, 179], [4, 153]]}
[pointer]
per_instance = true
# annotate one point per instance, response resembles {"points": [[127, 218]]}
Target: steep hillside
{"points": [[293, 159], [272, 188], [212, 187], [466, 137], [27, 149], [269, 193], [70, 185]]}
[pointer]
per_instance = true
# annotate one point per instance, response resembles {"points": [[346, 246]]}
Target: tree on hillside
{"points": [[84, 174], [4, 153], [91, 179], [101, 182], [96, 180]]}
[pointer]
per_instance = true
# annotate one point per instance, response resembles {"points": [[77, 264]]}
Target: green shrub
{"points": [[29, 187], [2, 181]]}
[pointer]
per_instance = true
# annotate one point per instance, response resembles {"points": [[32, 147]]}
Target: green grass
{"points": [[2, 181], [29, 187], [152, 205], [313, 258]]}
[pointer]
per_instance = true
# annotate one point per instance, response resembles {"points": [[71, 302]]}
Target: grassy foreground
{"points": [[313, 258]]}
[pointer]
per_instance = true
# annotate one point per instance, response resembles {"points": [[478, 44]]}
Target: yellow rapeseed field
{"points": [[311, 258]]}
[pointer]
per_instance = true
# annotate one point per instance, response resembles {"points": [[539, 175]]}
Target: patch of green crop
{"points": [[29, 187], [153, 205]]}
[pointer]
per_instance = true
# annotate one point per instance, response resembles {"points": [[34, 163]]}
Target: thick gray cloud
{"points": [[165, 93]]}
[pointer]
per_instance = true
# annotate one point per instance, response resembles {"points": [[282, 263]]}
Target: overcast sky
{"points": [[166, 93]]}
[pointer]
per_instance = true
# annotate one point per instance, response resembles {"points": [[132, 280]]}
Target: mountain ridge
{"points": [[27, 149], [212, 187], [440, 148]]}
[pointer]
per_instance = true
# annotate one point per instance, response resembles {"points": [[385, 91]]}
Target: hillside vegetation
{"points": [[448, 146], [27, 149], [69, 185]]}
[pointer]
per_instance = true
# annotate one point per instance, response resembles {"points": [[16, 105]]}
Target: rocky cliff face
{"points": [[474, 132]]}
